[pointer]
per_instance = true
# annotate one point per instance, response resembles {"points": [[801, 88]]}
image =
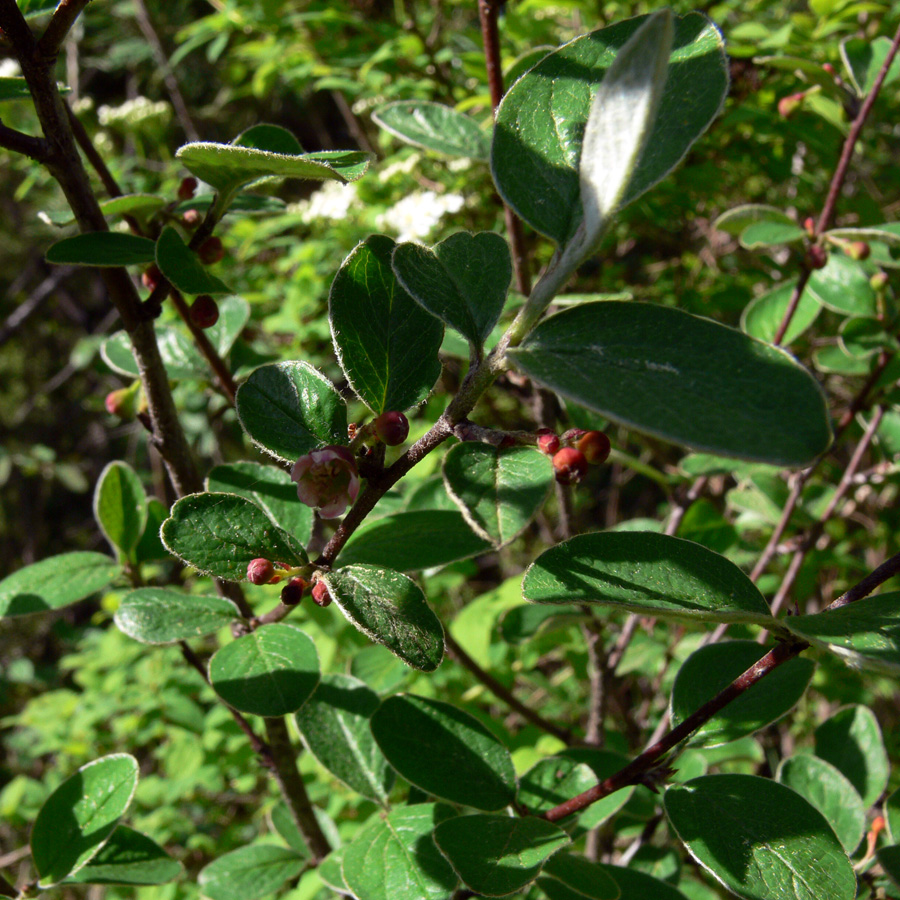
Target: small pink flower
{"points": [[327, 479]]}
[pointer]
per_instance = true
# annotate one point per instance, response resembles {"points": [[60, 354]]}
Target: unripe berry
{"points": [[204, 311], [211, 251], [191, 218], [320, 594], [817, 257], [879, 281], [187, 187], [788, 105], [570, 465], [548, 441], [123, 402], [292, 593], [260, 571], [595, 447], [858, 250], [151, 277], [392, 428]]}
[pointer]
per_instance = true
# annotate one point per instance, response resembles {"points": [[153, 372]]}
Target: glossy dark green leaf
{"points": [[735, 221], [271, 138], [394, 858], [334, 725], [445, 752], [433, 126], [864, 58], [150, 547], [495, 856], [682, 378], [851, 741], [760, 839], [892, 815], [102, 248], [271, 489], [635, 885], [602, 763], [762, 317], [129, 857], [386, 343], [290, 408], [537, 140], [889, 859], [219, 534], [183, 268], [120, 506], [157, 615], [713, 667], [648, 573], [862, 337], [56, 582], [843, 286], [498, 490], [552, 781], [408, 541], [391, 610], [566, 876], [771, 234], [830, 793], [463, 280], [271, 671], [249, 872], [78, 818]]}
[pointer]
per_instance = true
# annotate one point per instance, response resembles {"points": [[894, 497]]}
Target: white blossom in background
{"points": [[9, 68], [331, 202], [417, 214], [462, 164], [131, 112], [403, 167]]}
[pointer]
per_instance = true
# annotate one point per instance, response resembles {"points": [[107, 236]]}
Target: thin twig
{"points": [[886, 570], [58, 27], [19, 142]]}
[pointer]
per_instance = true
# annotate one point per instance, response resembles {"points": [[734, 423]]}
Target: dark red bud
{"points": [[548, 441], [817, 257], [320, 594], [191, 218], [828, 67], [187, 187], [211, 251], [260, 571], [570, 465], [204, 311], [595, 447], [392, 428], [152, 277], [292, 593]]}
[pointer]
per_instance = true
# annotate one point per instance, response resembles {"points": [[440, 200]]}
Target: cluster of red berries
{"points": [[573, 452], [264, 571]]}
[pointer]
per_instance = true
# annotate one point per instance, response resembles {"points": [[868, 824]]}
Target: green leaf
{"points": [[129, 857], [433, 126], [394, 858], [102, 248], [736, 221], [603, 763], [770, 234], [234, 313], [636, 885], [219, 534], [851, 741], [537, 140], [407, 541], [552, 781], [521, 623], [120, 507], [444, 751], [682, 378], [498, 855], [271, 489], [114, 206], [762, 317], [329, 870], [864, 59], [831, 359], [647, 573], [150, 547], [567, 877], [498, 490], [272, 138], [56, 582], [889, 860], [862, 338], [892, 815], [334, 725], [843, 286], [183, 268], [463, 280], [289, 409], [830, 793], [760, 839], [249, 872], [77, 819], [271, 671], [713, 667], [15, 87], [386, 343], [865, 633], [156, 615], [390, 609]]}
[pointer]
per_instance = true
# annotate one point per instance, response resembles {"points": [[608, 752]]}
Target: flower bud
{"points": [[204, 311], [548, 441], [151, 277], [788, 105], [260, 571], [570, 465], [392, 428], [809, 225], [211, 251], [320, 594], [124, 402], [292, 593], [878, 282], [595, 447], [191, 218], [187, 187], [829, 68], [327, 479], [817, 257], [859, 250]]}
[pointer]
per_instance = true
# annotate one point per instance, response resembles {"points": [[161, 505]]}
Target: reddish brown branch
{"points": [[58, 27]]}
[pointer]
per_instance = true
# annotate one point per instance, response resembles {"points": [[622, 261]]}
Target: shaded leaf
{"points": [[737, 220], [577, 877], [635, 885], [182, 266], [843, 286], [102, 248], [129, 857], [762, 317], [120, 506], [864, 59]]}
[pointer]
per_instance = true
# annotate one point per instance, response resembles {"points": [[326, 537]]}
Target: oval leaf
{"points": [[445, 752], [391, 610], [219, 534], [682, 378], [120, 506], [179, 355], [289, 409], [77, 819], [182, 267], [386, 343], [843, 286], [762, 317], [155, 615], [647, 573], [735, 221], [770, 234], [129, 857], [577, 877], [636, 885], [760, 839], [249, 872], [433, 126], [552, 781], [103, 248], [498, 855]]}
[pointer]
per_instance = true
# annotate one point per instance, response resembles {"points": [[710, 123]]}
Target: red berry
{"points": [[570, 465], [187, 187], [320, 594], [191, 218], [292, 593], [817, 257], [392, 428], [548, 441], [595, 447], [260, 571], [211, 251], [828, 67], [204, 311], [152, 277]]}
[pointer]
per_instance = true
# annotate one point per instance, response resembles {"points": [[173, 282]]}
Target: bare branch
{"points": [[58, 27], [19, 142]]}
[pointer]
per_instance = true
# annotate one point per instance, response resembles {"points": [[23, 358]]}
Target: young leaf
{"points": [[445, 752], [129, 857], [249, 872], [498, 855], [219, 534], [102, 248], [713, 667], [648, 573], [760, 839], [56, 582], [394, 858], [433, 126], [463, 280], [334, 725], [386, 343], [156, 615], [566, 876], [183, 268], [289, 409], [499, 490], [77, 819], [762, 317], [120, 507], [269, 672], [682, 378], [391, 609]]}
